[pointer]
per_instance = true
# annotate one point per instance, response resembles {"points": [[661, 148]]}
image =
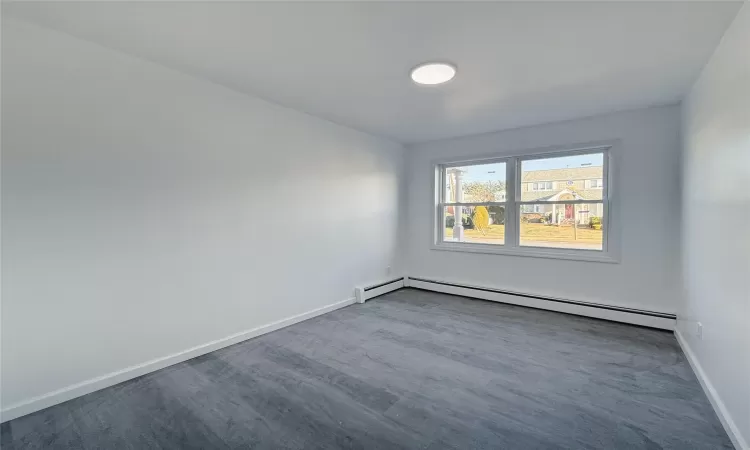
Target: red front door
{"points": [[569, 211]]}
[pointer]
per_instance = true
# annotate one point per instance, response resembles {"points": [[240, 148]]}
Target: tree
{"points": [[483, 191], [481, 219]]}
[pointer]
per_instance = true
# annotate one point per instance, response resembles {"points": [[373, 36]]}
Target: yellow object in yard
{"points": [[481, 219]]}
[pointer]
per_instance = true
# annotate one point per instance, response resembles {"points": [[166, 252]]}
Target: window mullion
{"points": [[439, 230], [511, 227], [470, 204], [560, 202]]}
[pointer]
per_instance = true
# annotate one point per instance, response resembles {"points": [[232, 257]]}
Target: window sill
{"points": [[531, 252]]}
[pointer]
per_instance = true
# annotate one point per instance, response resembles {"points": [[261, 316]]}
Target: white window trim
{"points": [[611, 239]]}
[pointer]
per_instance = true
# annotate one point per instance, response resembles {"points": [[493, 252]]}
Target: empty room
{"points": [[375, 225]]}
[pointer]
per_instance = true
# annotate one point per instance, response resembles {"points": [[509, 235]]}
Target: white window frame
{"points": [[610, 252]]}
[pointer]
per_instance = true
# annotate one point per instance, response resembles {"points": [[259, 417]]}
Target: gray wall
{"points": [[146, 212], [649, 207], [716, 218]]}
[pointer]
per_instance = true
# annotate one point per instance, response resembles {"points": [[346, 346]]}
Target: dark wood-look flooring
{"points": [[411, 369]]}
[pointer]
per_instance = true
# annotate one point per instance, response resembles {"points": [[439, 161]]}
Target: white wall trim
{"points": [[569, 308], [110, 379], [724, 417]]}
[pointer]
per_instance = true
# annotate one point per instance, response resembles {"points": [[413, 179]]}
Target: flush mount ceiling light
{"points": [[433, 73]]}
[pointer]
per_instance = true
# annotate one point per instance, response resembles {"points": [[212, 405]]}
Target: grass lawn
{"points": [[535, 232]]}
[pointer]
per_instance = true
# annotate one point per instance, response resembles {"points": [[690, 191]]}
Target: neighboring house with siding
{"points": [[554, 185], [579, 183]]}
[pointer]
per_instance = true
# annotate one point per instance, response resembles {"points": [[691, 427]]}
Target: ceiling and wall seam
{"points": [[206, 80], [412, 145]]}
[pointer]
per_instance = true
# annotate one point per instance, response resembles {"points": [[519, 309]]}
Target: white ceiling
{"points": [[518, 63]]}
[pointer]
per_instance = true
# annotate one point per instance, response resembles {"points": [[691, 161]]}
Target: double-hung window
{"points": [[538, 205]]}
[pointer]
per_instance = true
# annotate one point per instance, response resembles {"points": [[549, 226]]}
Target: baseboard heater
{"points": [[633, 316], [368, 292]]}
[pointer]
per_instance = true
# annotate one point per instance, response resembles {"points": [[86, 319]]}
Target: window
{"points": [[551, 205], [543, 186]]}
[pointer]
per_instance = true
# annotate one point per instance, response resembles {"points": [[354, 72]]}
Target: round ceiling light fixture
{"points": [[433, 73]]}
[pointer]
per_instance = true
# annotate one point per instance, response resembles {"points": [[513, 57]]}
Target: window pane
{"points": [[562, 226], [578, 177], [475, 183], [479, 224]]}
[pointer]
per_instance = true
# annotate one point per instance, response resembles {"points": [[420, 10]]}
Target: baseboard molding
{"points": [[721, 411], [110, 379], [631, 316], [364, 293]]}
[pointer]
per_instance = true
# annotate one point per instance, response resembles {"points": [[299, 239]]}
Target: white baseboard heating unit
{"points": [[367, 292]]}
